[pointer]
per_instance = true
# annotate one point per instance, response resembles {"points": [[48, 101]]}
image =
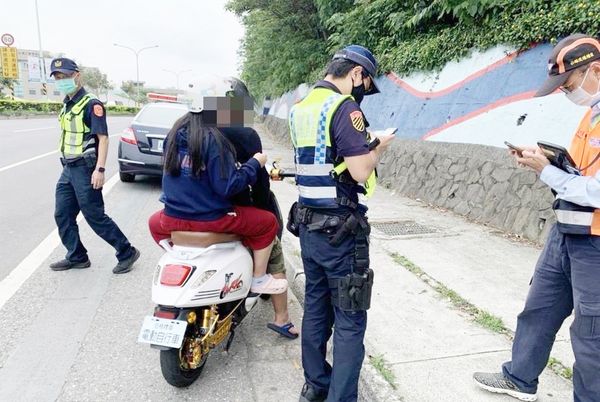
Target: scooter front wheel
{"points": [[170, 366]]}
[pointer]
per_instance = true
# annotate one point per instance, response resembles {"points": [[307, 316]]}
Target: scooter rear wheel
{"points": [[172, 371]]}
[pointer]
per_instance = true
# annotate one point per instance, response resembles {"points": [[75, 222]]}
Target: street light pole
{"points": [[41, 54], [137, 65], [177, 73]]}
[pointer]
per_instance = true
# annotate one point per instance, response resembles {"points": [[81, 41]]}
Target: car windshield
{"points": [[162, 116]]}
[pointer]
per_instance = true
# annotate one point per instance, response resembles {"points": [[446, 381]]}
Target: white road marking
{"points": [[2, 169], [33, 129], [17, 277]]}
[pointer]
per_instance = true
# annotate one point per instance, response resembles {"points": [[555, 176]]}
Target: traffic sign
{"points": [[8, 57], [8, 39]]}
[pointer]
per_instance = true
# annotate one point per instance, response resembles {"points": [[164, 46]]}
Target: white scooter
{"points": [[201, 287]]}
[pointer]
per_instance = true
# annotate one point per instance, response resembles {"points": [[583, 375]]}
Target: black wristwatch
{"points": [[101, 169]]}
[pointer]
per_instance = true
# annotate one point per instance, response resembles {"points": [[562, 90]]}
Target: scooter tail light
{"points": [[174, 275], [169, 315]]}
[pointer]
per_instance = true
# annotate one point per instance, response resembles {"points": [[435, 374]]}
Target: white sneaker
{"points": [[270, 286]]}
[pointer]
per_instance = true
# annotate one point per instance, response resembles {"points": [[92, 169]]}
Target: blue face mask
{"points": [[66, 85]]}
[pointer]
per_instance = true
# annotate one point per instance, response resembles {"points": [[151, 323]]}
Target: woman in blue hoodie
{"points": [[200, 177]]}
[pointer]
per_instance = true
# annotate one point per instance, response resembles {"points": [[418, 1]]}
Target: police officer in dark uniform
{"points": [[332, 157], [83, 147]]}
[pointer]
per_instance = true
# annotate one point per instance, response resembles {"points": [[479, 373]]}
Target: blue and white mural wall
{"points": [[484, 99]]}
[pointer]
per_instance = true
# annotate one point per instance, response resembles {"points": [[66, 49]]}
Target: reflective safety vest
{"points": [[316, 170], [585, 147], [75, 139]]}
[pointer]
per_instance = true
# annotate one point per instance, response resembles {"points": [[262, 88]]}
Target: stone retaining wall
{"points": [[479, 182]]}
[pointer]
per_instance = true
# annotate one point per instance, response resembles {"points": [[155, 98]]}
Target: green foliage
{"points": [[285, 43], [289, 42], [560, 369], [383, 368], [121, 109], [448, 30], [131, 91], [20, 108], [6, 84], [10, 107]]}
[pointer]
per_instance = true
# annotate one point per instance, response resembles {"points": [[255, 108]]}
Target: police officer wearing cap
{"points": [[567, 275], [83, 147], [332, 157]]}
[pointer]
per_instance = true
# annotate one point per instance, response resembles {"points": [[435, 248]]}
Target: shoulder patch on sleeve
{"points": [[98, 110], [358, 122]]}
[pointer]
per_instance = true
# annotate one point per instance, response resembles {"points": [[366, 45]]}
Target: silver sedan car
{"points": [[141, 145]]}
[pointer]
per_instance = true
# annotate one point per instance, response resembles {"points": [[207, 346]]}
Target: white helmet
{"points": [[196, 92]]}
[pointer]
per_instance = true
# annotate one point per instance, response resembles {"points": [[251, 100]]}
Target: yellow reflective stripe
{"points": [[369, 185], [339, 169], [304, 117], [73, 127]]}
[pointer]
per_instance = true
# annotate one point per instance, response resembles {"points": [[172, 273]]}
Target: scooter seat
{"points": [[202, 239]]}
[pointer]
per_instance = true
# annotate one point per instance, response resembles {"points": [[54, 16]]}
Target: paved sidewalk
{"points": [[426, 346]]}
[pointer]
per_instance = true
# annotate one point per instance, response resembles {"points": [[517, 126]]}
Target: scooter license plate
{"points": [[162, 332]]}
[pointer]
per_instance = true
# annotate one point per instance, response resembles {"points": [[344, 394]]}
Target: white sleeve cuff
{"points": [[554, 177]]}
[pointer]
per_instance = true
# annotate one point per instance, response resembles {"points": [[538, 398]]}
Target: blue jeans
{"points": [[567, 277], [74, 193], [322, 262]]}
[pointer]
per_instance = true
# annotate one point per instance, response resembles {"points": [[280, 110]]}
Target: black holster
{"points": [[293, 223], [354, 291]]}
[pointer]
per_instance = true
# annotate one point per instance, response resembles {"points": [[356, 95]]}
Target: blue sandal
{"points": [[284, 330]]}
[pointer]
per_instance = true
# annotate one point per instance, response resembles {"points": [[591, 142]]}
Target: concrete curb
{"points": [[372, 386]]}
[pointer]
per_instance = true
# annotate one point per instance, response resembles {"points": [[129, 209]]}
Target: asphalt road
{"points": [[72, 335], [27, 184]]}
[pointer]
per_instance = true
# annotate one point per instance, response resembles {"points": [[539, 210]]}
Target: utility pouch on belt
{"points": [[293, 221], [354, 291], [90, 159]]}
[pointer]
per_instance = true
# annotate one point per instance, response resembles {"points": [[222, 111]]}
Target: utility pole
{"points": [[177, 74], [41, 55], [137, 66]]}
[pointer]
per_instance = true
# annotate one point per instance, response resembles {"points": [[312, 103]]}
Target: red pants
{"points": [[257, 227]]}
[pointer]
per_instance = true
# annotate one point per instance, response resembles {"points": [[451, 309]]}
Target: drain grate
{"points": [[401, 228]]}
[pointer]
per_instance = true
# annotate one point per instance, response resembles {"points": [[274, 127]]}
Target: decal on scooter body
{"points": [[232, 287]]}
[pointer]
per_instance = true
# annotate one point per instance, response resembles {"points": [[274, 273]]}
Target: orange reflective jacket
{"points": [[585, 147]]}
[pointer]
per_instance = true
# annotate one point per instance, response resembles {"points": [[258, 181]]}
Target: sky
{"points": [[192, 35]]}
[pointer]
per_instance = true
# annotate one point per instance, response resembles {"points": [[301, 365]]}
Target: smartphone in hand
{"points": [[515, 148]]}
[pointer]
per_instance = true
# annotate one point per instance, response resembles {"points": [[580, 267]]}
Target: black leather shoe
{"points": [[125, 265], [309, 394], [65, 264]]}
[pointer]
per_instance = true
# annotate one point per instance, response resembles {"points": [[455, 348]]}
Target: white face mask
{"points": [[581, 97]]}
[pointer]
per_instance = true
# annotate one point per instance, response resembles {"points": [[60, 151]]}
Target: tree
{"points": [[6, 83], [131, 90], [288, 42], [285, 43], [95, 80]]}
